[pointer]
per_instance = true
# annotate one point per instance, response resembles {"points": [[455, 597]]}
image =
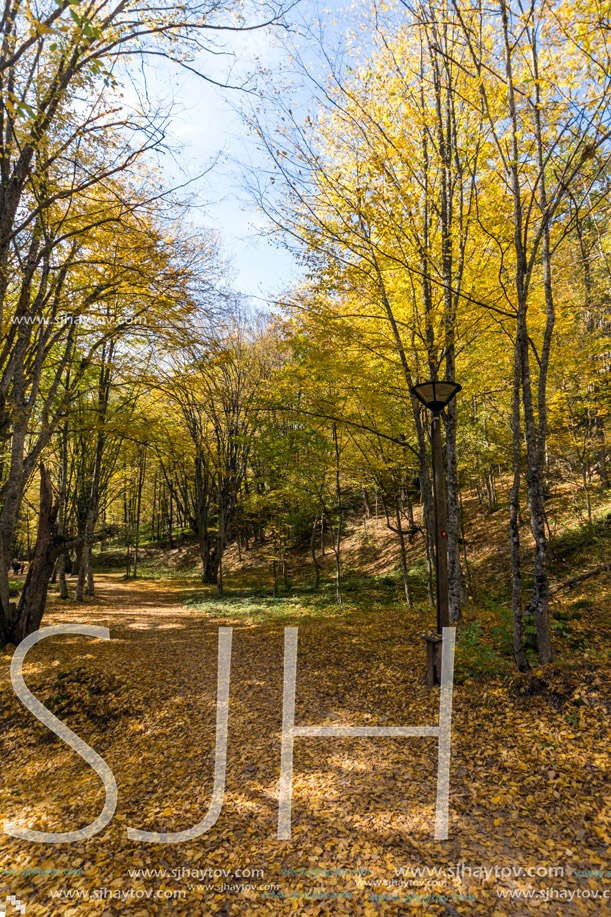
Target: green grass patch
{"points": [[259, 607], [360, 595], [160, 574]]}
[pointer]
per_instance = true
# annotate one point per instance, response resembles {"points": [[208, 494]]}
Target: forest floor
{"points": [[530, 819]]}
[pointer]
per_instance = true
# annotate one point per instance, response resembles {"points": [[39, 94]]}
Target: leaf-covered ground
{"points": [[529, 775]]}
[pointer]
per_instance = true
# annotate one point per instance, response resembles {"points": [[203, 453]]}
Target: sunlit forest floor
{"points": [[529, 772]]}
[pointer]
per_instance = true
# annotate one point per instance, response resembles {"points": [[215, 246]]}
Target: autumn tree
{"points": [[547, 118], [380, 190], [214, 384], [64, 133], [429, 190]]}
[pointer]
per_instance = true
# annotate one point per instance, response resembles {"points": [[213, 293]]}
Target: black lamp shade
{"points": [[436, 395]]}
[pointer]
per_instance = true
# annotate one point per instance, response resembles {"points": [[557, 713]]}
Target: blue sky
{"points": [[206, 133], [205, 129]]}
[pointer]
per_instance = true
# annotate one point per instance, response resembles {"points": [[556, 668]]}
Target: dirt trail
{"points": [[363, 809]]}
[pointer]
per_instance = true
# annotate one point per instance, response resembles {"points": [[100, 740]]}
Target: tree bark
{"points": [[313, 553], [535, 440], [141, 475], [340, 519], [514, 524], [30, 610], [408, 597], [61, 511]]}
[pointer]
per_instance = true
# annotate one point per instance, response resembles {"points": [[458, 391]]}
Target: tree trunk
{"points": [[406, 499], [90, 584], [340, 518], [284, 575], [366, 503], [602, 452], [408, 597], [313, 553], [535, 439], [85, 571], [141, 475], [468, 584], [31, 607], [12, 497], [536, 481], [514, 525]]}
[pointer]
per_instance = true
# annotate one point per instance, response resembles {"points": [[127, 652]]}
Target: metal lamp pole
{"points": [[441, 523], [436, 396]]}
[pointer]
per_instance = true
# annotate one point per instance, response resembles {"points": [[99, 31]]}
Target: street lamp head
{"points": [[435, 395]]}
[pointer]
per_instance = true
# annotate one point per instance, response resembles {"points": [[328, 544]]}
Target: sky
{"points": [[205, 130], [206, 134]]}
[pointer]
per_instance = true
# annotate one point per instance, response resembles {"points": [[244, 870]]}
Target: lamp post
{"points": [[436, 396]]}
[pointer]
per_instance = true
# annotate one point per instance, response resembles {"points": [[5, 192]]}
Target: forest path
{"points": [[527, 786]]}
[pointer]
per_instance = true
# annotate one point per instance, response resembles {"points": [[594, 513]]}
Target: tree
{"points": [[397, 185], [64, 139], [544, 131], [215, 387], [122, 286], [380, 190]]}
